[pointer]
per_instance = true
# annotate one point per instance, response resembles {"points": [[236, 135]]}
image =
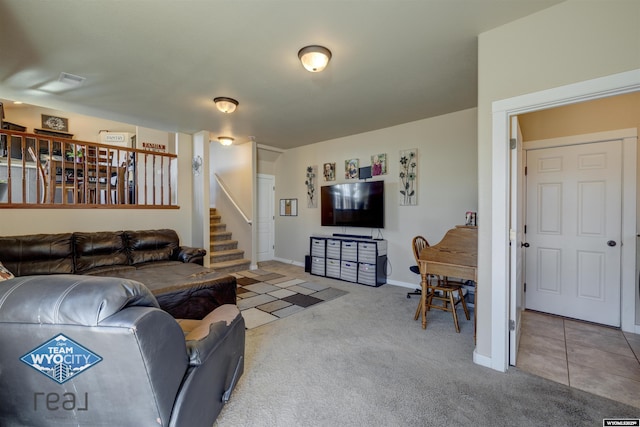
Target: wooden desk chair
{"points": [[108, 179], [450, 294], [417, 244]]}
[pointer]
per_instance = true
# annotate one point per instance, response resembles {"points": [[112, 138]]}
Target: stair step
{"points": [[217, 236], [231, 266], [223, 245], [227, 255], [218, 226], [215, 219]]}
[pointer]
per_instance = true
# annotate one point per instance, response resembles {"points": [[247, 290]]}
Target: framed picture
{"points": [[288, 207], [59, 124], [351, 168], [379, 164], [329, 171], [408, 177]]}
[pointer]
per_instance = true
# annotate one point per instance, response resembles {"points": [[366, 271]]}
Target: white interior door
{"points": [[266, 217], [574, 202], [516, 237]]}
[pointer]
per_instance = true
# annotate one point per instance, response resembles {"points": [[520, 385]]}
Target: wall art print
{"points": [[408, 177], [351, 168], [378, 164], [312, 177], [329, 171]]}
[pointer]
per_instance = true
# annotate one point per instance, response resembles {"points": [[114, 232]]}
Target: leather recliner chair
{"points": [[98, 351]]}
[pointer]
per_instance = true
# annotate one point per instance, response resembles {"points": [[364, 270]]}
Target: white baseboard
{"points": [[289, 261], [404, 284], [481, 360]]}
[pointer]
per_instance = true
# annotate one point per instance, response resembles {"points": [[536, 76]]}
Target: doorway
{"points": [[500, 236]]}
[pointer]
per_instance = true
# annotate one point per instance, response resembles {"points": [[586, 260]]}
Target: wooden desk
{"points": [[456, 255]]}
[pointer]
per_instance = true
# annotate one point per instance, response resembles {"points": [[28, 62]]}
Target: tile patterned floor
{"points": [[264, 296], [589, 357]]}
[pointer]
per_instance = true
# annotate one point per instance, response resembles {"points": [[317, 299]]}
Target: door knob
{"points": [[525, 245], [611, 243]]}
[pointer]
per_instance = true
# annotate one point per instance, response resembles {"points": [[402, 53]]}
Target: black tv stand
{"points": [[354, 236]]}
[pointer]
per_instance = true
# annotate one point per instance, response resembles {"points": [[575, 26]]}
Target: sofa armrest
{"points": [[189, 254], [203, 339]]}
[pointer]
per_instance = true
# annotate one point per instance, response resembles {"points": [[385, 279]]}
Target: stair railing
{"points": [[230, 197]]}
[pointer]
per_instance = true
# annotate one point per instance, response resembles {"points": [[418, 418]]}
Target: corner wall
{"points": [[447, 186]]}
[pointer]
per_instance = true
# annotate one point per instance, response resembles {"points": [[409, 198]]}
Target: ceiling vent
{"points": [[71, 79]]}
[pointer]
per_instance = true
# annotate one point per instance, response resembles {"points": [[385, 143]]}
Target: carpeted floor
{"points": [[265, 296], [361, 359]]}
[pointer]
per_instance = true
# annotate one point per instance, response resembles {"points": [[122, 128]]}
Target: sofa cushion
{"points": [[151, 245], [37, 254], [99, 249]]}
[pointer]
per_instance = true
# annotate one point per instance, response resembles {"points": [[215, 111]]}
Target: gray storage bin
{"points": [[317, 266], [349, 250], [333, 248], [333, 268], [349, 271], [367, 274], [317, 247]]}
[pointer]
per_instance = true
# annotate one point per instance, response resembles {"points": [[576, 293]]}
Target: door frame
{"points": [[502, 111]]}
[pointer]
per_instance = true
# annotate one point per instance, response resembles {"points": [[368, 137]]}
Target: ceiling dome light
{"points": [[314, 58], [225, 140], [226, 105]]}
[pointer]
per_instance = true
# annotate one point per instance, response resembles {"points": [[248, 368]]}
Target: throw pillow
{"points": [[4, 273]]}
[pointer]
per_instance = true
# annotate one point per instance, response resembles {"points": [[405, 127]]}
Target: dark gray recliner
{"points": [[98, 351]]}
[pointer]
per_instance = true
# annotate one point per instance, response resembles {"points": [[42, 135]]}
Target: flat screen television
{"points": [[358, 204]]}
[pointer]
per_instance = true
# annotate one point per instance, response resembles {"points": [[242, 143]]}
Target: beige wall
{"points": [[83, 128], [446, 186], [616, 112], [571, 42]]}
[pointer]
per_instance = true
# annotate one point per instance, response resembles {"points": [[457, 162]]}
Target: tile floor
{"points": [[265, 296], [589, 357]]}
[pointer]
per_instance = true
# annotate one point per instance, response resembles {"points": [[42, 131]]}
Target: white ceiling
{"points": [[159, 63]]}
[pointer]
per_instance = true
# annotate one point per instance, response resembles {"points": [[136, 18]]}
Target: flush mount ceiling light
{"points": [[314, 58], [226, 105], [225, 140]]}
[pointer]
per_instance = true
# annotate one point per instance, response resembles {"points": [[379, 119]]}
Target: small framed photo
{"points": [[379, 164], [288, 207], [59, 124], [351, 168], [329, 171]]}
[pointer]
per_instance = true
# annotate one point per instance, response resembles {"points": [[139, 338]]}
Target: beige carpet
{"points": [[361, 359]]}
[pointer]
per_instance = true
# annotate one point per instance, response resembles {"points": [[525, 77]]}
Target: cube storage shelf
{"points": [[357, 260]]}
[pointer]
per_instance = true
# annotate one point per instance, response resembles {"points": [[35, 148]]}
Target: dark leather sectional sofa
{"points": [[173, 273], [166, 331]]}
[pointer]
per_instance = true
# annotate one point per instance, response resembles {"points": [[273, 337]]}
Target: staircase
{"points": [[224, 254]]}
